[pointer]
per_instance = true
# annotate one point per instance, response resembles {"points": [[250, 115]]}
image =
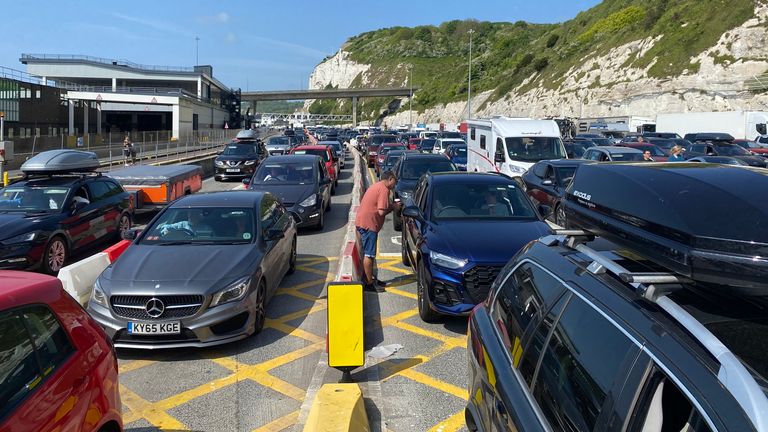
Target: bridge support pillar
{"points": [[354, 111], [71, 123]]}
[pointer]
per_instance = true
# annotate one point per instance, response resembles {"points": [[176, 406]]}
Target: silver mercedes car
{"points": [[200, 274]]}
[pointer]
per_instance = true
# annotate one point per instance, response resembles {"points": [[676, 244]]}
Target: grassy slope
{"points": [[505, 54]]}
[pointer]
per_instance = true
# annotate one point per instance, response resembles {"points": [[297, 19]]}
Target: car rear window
{"points": [[322, 153]]}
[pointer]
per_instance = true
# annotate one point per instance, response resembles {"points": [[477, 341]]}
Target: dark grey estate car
{"points": [[200, 274]]}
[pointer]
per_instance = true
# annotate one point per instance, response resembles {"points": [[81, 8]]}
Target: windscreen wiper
{"points": [[173, 243]]}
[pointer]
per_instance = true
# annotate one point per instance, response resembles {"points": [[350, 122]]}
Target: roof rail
{"points": [[655, 287]]}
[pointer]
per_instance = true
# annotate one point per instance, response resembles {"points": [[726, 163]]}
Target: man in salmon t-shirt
{"points": [[373, 208]]}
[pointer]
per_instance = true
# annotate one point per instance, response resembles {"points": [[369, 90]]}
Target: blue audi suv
{"points": [[459, 230]]}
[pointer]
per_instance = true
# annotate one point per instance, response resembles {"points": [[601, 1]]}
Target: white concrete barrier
{"points": [[78, 278]]}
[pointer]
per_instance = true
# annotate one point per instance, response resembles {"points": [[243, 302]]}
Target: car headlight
{"points": [[21, 238], [250, 162], [97, 294], [310, 201], [234, 292], [446, 260], [219, 163]]}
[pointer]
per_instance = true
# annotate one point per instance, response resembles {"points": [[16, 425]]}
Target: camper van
{"points": [[511, 145]]}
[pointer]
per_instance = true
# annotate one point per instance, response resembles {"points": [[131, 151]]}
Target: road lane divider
{"points": [[78, 278], [337, 408]]}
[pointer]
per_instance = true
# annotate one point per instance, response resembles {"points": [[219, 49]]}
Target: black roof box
{"points": [[708, 222], [61, 162]]}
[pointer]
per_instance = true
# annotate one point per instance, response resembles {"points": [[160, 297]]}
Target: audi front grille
{"points": [[478, 280]]}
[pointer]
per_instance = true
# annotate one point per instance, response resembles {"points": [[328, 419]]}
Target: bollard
{"points": [[345, 327], [5, 178]]}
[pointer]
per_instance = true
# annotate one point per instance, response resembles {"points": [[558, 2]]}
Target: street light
{"points": [[469, 78], [197, 51], [410, 96]]}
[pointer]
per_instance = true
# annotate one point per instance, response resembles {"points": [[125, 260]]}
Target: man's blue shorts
{"points": [[368, 238]]}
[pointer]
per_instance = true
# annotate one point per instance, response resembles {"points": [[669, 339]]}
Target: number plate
{"points": [[159, 328], [233, 169]]}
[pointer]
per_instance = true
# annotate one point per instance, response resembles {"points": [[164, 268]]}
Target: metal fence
{"points": [[148, 145]]}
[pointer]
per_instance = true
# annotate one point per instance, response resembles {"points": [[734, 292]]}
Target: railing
{"points": [[106, 61], [170, 91], [149, 145]]}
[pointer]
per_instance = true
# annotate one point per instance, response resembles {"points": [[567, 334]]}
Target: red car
{"points": [[58, 368], [753, 147], [381, 155], [325, 152], [413, 143], [657, 153]]}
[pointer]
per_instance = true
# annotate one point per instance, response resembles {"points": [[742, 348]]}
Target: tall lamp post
{"points": [[197, 51], [469, 78], [410, 96]]}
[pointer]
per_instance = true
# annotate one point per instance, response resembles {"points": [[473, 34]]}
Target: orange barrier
{"points": [[116, 249]]}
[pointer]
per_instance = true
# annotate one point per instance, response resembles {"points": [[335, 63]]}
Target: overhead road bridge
{"points": [[347, 93]]}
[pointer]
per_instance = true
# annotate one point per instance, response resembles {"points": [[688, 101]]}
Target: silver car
{"points": [[278, 145], [201, 274]]}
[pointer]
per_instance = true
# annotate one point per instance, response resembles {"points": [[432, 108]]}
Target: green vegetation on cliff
{"points": [[506, 55]]}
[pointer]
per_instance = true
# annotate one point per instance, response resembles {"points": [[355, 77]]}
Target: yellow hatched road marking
{"points": [[392, 268], [451, 424], [135, 364], [312, 270], [400, 292], [293, 331], [434, 382], [302, 313], [451, 341], [314, 260], [143, 409], [279, 424]]}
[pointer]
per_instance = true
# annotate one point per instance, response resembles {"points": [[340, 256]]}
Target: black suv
{"points": [[408, 169], [238, 161], [46, 218], [582, 334]]}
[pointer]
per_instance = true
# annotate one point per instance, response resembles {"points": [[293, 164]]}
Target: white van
{"points": [[428, 134], [511, 145], [442, 144]]}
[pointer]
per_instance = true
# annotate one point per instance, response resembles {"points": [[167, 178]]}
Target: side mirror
{"points": [[130, 234], [325, 181], [499, 157], [274, 234], [547, 182], [246, 181], [413, 212], [545, 210]]}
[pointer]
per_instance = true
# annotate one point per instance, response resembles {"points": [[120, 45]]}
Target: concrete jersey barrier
{"points": [[78, 278]]}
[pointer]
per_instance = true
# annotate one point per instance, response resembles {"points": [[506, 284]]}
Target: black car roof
{"points": [[467, 177], [220, 199], [423, 156], [63, 180], [566, 162]]}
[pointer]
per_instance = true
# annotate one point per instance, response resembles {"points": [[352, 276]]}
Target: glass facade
{"points": [[9, 99]]}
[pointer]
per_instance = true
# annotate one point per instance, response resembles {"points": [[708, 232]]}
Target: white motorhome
{"points": [[740, 124], [511, 145]]}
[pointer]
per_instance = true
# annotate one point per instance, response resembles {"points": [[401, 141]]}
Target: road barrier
{"points": [[78, 278], [351, 263]]}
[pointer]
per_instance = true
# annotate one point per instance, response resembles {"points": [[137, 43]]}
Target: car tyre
{"points": [[55, 256], [404, 252], [260, 311], [560, 218], [320, 221], [123, 225], [425, 313], [397, 222], [292, 259]]}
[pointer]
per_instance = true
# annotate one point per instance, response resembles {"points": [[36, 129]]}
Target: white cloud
{"points": [[163, 26], [222, 17], [231, 38]]}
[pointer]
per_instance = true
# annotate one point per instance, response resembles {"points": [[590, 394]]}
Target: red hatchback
{"points": [[325, 152], [58, 369]]}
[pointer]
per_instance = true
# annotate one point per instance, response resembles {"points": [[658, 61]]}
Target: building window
{"points": [[37, 94]]}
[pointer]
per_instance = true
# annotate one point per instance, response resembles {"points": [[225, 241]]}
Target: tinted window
{"points": [[489, 200], [285, 172], [201, 225], [534, 148], [584, 356], [267, 212], [239, 150], [19, 370], [522, 298], [535, 345], [99, 190], [622, 157], [114, 188], [322, 153], [412, 170]]}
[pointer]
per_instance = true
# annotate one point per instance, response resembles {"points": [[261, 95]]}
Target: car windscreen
{"points": [[763, 140], [201, 225], [386, 149], [284, 173], [427, 143], [413, 169], [624, 157], [275, 141], [460, 152], [564, 175], [34, 199], [319, 152], [534, 149], [731, 150], [575, 151], [480, 201], [239, 150]]}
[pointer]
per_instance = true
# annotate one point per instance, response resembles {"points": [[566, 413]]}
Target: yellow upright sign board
{"points": [[345, 325]]}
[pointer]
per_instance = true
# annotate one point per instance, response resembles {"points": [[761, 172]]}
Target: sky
{"points": [[252, 45]]}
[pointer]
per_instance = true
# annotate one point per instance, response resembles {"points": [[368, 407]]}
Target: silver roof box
{"points": [[61, 162]]}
